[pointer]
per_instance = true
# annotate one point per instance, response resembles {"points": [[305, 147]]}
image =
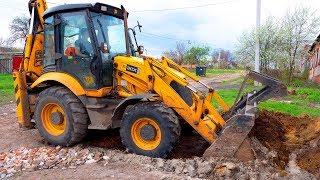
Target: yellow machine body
{"points": [[135, 79], [153, 75]]}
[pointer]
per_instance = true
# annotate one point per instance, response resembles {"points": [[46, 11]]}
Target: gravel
{"points": [[32, 159]]}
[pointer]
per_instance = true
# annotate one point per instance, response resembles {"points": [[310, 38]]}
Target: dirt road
{"points": [[96, 171], [11, 135], [218, 81]]}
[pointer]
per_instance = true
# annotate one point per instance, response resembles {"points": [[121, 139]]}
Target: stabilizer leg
{"points": [[21, 97]]}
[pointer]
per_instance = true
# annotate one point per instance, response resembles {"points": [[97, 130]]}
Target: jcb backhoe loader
{"points": [[82, 70]]}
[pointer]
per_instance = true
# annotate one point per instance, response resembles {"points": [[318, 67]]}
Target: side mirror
{"points": [[139, 26], [140, 49], [104, 48]]}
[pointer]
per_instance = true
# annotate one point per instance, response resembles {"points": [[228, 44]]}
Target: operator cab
{"points": [[83, 39]]}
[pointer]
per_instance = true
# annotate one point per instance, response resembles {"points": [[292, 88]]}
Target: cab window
{"points": [[109, 31], [49, 47], [77, 48], [76, 35]]}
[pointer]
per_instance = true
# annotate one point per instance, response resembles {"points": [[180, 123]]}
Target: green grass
{"points": [[6, 88], [306, 101], [236, 81]]}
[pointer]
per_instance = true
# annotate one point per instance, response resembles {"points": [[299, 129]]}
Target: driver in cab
{"points": [[83, 45]]}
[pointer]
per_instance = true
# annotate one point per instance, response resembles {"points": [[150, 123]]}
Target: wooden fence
{"points": [[5, 65], [6, 61]]}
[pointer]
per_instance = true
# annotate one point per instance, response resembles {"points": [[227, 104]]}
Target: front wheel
{"points": [[60, 116], [150, 129]]}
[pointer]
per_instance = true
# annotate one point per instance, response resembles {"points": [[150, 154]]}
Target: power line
{"points": [[189, 41], [162, 36], [147, 10], [181, 8], [52, 2]]}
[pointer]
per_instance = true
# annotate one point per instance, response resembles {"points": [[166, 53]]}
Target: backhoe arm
{"points": [[33, 50], [30, 68]]}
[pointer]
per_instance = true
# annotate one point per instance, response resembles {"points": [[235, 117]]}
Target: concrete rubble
{"points": [[32, 159]]}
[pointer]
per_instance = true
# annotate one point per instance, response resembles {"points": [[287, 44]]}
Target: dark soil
{"points": [[190, 144], [286, 134]]}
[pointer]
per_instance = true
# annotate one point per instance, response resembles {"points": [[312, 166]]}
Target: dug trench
{"points": [[293, 138], [290, 138]]}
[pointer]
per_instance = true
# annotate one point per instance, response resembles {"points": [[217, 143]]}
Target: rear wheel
{"points": [[60, 116], [150, 129]]}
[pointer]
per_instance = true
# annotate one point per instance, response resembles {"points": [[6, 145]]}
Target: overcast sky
{"points": [[219, 24]]}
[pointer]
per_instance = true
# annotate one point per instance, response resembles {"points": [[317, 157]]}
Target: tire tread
{"points": [[167, 114], [78, 112]]}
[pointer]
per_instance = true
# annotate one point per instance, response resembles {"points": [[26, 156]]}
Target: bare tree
{"points": [[172, 54], [181, 52], [282, 42], [299, 28], [270, 40], [3, 42], [221, 57], [19, 28], [178, 53]]}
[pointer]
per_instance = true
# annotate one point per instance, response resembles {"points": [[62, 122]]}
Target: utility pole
{"points": [[257, 45]]}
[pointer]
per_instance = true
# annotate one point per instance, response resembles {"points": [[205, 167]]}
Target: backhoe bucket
{"points": [[242, 115]]}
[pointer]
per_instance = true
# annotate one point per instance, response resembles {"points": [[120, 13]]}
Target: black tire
{"points": [[76, 116], [166, 119]]}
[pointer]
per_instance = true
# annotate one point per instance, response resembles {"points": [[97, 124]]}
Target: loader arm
{"points": [[226, 131], [157, 75], [201, 114]]}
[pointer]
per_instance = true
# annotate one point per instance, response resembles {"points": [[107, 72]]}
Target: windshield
{"points": [[110, 30]]}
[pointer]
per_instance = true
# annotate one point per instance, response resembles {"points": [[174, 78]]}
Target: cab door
{"points": [[79, 57]]}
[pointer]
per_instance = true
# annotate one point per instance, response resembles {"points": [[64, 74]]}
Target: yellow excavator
{"points": [[83, 69]]}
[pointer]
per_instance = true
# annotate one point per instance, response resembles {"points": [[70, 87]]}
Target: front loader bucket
{"points": [[232, 137], [241, 116]]}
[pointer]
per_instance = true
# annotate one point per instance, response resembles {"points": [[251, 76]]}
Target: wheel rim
{"points": [[53, 119], [146, 134]]}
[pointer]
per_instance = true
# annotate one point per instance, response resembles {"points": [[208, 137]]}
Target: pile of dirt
{"points": [[290, 137]]}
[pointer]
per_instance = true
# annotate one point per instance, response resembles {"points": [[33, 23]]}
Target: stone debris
{"points": [[25, 159], [31, 159]]}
